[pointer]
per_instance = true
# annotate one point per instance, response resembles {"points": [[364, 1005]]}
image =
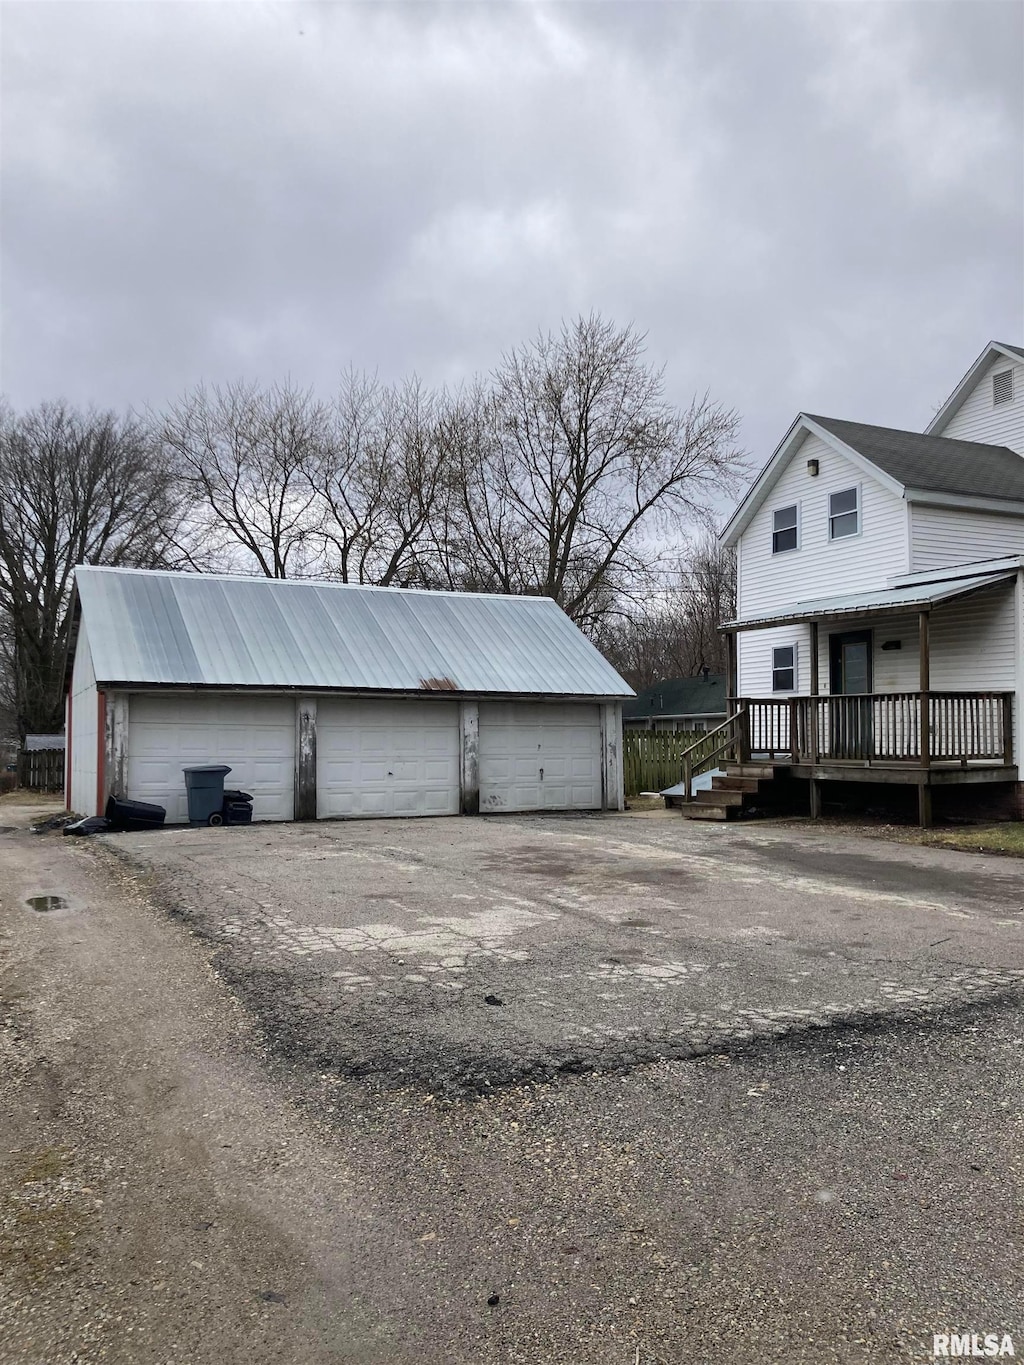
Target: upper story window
{"points": [[784, 529], [1002, 387], [784, 668], [843, 513]]}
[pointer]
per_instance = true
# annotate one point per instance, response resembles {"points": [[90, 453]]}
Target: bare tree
{"points": [[707, 598], [380, 482], [572, 463], [246, 456], [75, 488], [675, 632]]}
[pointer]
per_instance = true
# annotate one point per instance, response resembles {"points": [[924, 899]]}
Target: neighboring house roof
{"points": [[893, 601], [965, 388], [679, 697], [935, 463], [36, 743], [916, 467], [205, 630]]}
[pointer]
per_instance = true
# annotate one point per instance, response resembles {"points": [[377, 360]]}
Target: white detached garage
{"points": [[332, 701]]}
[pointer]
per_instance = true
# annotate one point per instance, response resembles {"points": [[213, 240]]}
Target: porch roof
{"points": [[880, 602]]}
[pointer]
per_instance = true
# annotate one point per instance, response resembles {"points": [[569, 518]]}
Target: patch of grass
{"points": [[1007, 838]]}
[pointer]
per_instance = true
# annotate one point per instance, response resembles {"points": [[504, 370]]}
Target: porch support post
{"points": [[731, 644], [1007, 729], [469, 757], [924, 805], [814, 658], [815, 787], [305, 758], [925, 685]]}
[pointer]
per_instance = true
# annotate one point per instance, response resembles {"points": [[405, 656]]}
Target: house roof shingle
{"points": [[679, 697], [934, 463]]}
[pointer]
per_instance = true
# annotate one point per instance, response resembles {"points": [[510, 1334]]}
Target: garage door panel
{"points": [[539, 757], [254, 737], [381, 758]]}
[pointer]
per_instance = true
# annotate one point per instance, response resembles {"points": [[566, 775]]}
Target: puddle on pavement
{"points": [[45, 904], [6, 829]]}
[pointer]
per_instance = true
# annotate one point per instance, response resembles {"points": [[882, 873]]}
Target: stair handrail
{"points": [[727, 743]]}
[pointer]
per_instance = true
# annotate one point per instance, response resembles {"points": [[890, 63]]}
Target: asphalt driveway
{"points": [[464, 955], [266, 1095]]}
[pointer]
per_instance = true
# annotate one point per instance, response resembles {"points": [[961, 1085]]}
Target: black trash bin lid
{"points": [[206, 768]]}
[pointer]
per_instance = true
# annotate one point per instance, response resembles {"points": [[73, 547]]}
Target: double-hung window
{"points": [[784, 668], [843, 513], [784, 529]]}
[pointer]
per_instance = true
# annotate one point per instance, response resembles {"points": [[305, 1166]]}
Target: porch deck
{"points": [[922, 739]]}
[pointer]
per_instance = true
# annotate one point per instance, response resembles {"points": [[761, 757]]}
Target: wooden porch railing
{"points": [[726, 741], [883, 727]]}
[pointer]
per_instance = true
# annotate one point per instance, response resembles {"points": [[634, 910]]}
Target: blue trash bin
{"points": [[204, 786]]}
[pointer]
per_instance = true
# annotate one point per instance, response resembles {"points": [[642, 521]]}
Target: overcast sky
{"points": [[815, 207]]}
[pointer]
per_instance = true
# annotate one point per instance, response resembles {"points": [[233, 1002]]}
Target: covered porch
{"points": [[851, 731]]}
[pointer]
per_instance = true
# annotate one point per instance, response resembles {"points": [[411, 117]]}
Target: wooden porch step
{"points": [[749, 770], [736, 784], [718, 797], [701, 810]]}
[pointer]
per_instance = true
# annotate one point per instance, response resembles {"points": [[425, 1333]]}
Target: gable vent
{"points": [[1002, 387]]}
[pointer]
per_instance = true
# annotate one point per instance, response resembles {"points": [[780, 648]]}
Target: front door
{"points": [[851, 728]]}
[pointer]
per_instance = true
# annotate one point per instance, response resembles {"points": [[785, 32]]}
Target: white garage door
{"points": [[254, 736], [539, 757], [387, 758]]}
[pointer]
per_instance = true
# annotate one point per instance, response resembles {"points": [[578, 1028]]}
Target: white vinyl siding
{"points": [[537, 756], [381, 758], [972, 648], [982, 419], [83, 736], [254, 736], [820, 567], [756, 652], [941, 536], [973, 643]]}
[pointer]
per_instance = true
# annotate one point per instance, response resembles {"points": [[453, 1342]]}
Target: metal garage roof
{"points": [[206, 630]]}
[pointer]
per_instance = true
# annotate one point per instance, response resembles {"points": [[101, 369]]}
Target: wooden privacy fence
{"points": [[41, 770], [652, 762]]}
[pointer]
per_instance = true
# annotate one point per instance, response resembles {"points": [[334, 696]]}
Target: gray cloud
{"points": [[805, 206]]}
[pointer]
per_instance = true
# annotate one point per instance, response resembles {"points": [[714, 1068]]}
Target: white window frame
{"points": [[852, 535], [785, 668], [785, 508]]}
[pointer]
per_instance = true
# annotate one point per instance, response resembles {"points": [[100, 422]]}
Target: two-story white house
{"points": [[880, 612]]}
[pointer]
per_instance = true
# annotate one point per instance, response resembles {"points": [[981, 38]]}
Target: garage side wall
{"points": [[613, 778], [84, 736]]}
